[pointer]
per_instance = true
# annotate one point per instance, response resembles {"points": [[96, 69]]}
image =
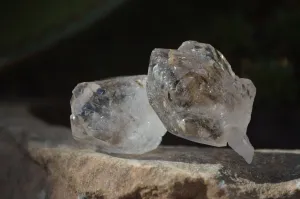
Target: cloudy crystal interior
{"points": [[198, 97], [115, 115]]}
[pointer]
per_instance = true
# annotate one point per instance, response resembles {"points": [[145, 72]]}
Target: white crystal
{"points": [[115, 115], [198, 97]]}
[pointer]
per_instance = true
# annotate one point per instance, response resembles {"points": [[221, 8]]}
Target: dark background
{"points": [[260, 39]]}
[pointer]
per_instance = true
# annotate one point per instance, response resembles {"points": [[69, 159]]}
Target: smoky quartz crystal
{"points": [[198, 97]]}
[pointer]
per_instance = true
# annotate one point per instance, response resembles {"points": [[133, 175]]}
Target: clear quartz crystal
{"points": [[115, 115], [198, 97]]}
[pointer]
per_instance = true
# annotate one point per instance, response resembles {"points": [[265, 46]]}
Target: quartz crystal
{"points": [[115, 115], [198, 97]]}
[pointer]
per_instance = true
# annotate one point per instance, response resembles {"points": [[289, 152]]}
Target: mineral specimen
{"points": [[115, 115], [198, 97]]}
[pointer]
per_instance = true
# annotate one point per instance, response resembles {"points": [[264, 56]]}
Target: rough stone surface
{"points": [[198, 97], [21, 176], [39, 166], [115, 115], [174, 172]]}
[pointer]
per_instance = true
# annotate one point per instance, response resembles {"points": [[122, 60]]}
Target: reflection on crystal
{"points": [[198, 97], [115, 115]]}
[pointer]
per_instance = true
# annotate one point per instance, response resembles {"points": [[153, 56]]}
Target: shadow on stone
{"points": [[20, 176], [267, 167]]}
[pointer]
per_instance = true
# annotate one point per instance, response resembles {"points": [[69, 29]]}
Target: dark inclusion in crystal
{"points": [[198, 97], [96, 104], [115, 116], [100, 91]]}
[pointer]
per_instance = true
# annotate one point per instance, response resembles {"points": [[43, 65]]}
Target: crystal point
{"points": [[115, 115], [198, 97]]}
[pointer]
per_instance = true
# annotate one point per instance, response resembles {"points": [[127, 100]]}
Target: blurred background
{"points": [[47, 47]]}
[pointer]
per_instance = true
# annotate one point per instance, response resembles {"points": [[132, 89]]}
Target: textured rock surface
{"points": [[21, 177], [198, 97], [115, 115], [17, 119], [40, 166], [174, 172]]}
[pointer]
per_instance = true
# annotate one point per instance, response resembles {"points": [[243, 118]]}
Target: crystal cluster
{"points": [[192, 92], [115, 115], [198, 97]]}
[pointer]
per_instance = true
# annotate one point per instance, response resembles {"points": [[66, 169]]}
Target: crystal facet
{"points": [[115, 115], [198, 97]]}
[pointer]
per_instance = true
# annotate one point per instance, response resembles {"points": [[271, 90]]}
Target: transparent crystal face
{"points": [[115, 115], [198, 97]]}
